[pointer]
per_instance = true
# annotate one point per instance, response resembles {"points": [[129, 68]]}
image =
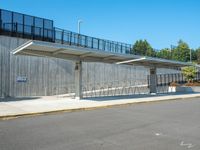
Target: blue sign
{"points": [[21, 79]]}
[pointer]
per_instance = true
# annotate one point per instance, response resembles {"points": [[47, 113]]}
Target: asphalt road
{"points": [[170, 125]]}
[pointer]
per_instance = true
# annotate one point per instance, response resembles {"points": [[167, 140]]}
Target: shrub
{"points": [[189, 73]]}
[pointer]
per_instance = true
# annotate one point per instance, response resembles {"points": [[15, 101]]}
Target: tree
{"points": [[164, 53], [189, 73], [198, 55], [142, 47], [181, 52], [194, 55]]}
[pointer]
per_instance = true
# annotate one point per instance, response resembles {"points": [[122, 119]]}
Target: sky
{"points": [[161, 22]]}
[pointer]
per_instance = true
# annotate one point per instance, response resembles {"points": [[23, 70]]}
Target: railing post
{"points": [[32, 32], [98, 43], [169, 79], [148, 80], [165, 79], [23, 24], [70, 38], [62, 37], [53, 34], [16, 29], [104, 45], [0, 20], [43, 30], [85, 45], [92, 42], [47, 34], [1, 25], [121, 49], [12, 23], [183, 80], [161, 81]]}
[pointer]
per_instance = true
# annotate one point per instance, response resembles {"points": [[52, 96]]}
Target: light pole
{"points": [[79, 26]]}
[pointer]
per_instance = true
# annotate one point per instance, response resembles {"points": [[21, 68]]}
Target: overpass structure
{"points": [[47, 41]]}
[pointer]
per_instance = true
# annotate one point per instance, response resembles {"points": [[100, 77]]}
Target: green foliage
{"points": [[198, 55], [142, 47], [189, 73], [194, 55], [181, 52], [164, 53]]}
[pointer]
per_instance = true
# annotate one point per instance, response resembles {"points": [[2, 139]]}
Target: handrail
{"points": [[64, 37]]}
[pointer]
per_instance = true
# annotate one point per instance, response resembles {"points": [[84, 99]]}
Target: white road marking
{"points": [[157, 134], [189, 145]]}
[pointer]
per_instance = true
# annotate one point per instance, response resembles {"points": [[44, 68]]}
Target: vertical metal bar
{"points": [[23, 25], [98, 43], [148, 80], [33, 28], [70, 38], [40, 32], [130, 49], [12, 23], [121, 49], [62, 37], [182, 78], [32, 32], [175, 77], [47, 34], [179, 78], [161, 80], [43, 29], [77, 39], [92, 42], [16, 27], [169, 79], [104, 45], [54, 34], [85, 45], [0, 20]]}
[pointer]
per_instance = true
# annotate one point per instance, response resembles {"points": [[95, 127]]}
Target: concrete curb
{"points": [[8, 117]]}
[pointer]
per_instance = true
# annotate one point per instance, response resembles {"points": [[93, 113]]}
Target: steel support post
{"points": [[153, 80], [78, 80]]}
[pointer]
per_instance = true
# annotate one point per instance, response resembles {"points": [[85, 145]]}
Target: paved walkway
{"points": [[37, 105]]}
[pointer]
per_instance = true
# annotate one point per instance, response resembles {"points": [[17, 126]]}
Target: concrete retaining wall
{"points": [[51, 76]]}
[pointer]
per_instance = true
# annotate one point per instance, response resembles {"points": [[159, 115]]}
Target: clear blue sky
{"points": [[161, 22]]}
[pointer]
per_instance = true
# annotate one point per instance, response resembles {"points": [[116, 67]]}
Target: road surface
{"points": [[169, 125]]}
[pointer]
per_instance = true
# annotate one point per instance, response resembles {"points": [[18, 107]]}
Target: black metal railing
{"points": [[167, 79], [30, 27], [28, 32], [72, 38], [64, 37]]}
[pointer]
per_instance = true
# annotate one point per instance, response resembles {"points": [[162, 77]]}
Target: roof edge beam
{"points": [[132, 60]]}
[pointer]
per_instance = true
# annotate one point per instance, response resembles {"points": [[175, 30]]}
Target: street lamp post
{"points": [[79, 26]]}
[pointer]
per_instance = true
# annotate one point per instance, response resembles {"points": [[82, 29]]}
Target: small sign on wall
{"points": [[21, 79]]}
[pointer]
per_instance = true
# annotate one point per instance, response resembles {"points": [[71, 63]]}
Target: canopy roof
{"points": [[77, 53]]}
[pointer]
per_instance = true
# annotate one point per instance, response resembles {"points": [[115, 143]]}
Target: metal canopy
{"points": [[77, 53]]}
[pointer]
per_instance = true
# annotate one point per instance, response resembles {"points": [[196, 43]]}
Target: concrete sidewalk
{"points": [[42, 105]]}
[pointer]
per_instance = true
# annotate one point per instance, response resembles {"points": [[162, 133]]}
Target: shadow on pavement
{"points": [[110, 98], [10, 99]]}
